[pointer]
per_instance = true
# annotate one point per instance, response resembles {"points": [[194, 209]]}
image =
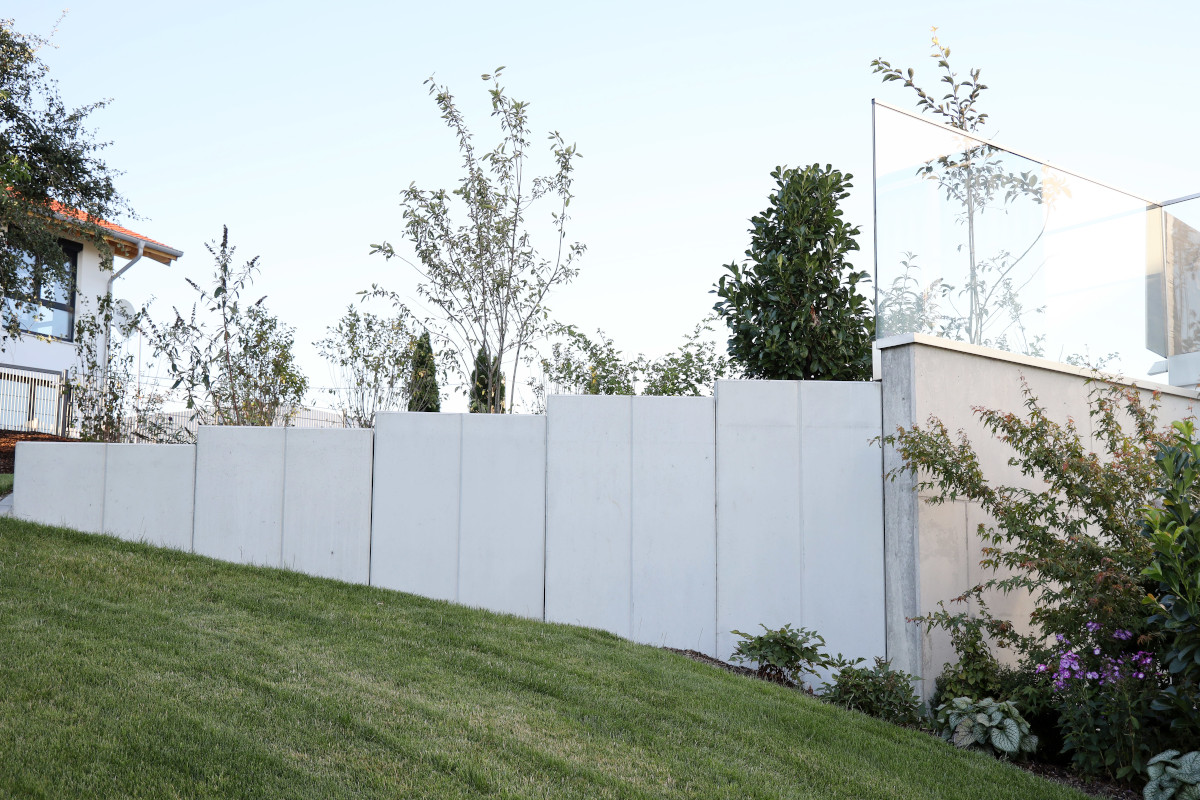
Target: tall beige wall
{"points": [[932, 552]]}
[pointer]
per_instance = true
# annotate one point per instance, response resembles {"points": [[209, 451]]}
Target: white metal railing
{"points": [[33, 400], [39, 401]]}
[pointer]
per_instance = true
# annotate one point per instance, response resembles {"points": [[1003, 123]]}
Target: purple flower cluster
{"points": [[1137, 666]]}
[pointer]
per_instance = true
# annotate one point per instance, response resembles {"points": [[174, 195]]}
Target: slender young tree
{"points": [[241, 368], [423, 391], [370, 357], [484, 278]]}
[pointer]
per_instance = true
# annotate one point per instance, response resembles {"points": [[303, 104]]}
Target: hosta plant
{"points": [[1173, 777], [985, 725], [783, 655]]}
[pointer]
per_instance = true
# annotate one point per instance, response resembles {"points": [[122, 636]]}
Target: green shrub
{"points": [[976, 673], [1174, 533], [986, 725], [1173, 777], [783, 655], [879, 691], [1071, 536]]}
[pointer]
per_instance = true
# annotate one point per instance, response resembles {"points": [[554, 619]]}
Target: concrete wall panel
{"points": [[933, 551], [414, 521], [759, 562], [60, 483], [588, 454], [674, 523], [148, 493], [842, 515], [239, 494], [503, 513], [327, 503]]}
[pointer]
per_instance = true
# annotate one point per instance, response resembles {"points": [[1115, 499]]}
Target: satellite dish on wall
{"points": [[123, 315]]}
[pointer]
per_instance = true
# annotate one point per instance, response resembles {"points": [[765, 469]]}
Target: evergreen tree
{"points": [[793, 308], [423, 391], [487, 385]]}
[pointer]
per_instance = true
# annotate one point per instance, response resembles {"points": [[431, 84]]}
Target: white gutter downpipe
{"points": [[108, 292], [124, 269]]}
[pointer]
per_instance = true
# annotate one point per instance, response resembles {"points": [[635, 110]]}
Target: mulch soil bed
{"points": [[8, 445], [1050, 772]]}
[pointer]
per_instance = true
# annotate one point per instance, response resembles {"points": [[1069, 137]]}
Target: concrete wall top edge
{"points": [[145, 444], [318, 433], [238, 430], [596, 399], [925, 340]]}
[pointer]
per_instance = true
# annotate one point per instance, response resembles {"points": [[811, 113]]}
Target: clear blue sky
{"points": [[298, 124]]}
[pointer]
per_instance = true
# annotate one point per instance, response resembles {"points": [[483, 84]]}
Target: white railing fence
{"points": [[34, 400]]}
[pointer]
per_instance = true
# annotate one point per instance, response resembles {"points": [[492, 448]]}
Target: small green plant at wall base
{"points": [[976, 672], [878, 691], [985, 725], [783, 655], [1173, 777]]}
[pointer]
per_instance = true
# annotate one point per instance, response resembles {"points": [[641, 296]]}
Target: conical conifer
{"points": [[423, 391]]}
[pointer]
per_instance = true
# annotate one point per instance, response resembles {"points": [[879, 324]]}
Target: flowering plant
{"points": [[1105, 693]]}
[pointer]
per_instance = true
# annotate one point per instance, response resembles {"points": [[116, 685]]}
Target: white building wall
{"points": [[52, 354]]}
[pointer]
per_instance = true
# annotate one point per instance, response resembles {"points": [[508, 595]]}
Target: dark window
{"points": [[50, 310]]}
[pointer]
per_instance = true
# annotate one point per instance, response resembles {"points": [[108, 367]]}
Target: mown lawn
{"points": [[6, 483], [128, 671]]}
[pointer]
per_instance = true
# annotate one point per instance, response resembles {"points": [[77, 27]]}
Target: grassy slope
{"points": [[127, 671]]}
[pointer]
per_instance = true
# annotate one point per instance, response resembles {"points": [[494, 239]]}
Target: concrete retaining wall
{"points": [[933, 552], [326, 527], [148, 493], [665, 520]]}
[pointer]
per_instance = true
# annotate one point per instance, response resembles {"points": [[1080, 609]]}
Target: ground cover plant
{"points": [[6, 484], [135, 672], [995, 727]]}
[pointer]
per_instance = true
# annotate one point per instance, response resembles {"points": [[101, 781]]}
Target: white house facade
{"points": [[33, 365]]}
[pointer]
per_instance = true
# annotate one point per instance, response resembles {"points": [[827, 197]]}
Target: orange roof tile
{"points": [[168, 253]]}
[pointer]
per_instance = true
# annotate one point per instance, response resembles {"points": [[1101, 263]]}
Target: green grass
{"points": [[128, 671], [6, 484]]}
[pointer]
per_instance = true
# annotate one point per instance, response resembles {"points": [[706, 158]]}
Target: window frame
{"points": [[71, 250]]}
